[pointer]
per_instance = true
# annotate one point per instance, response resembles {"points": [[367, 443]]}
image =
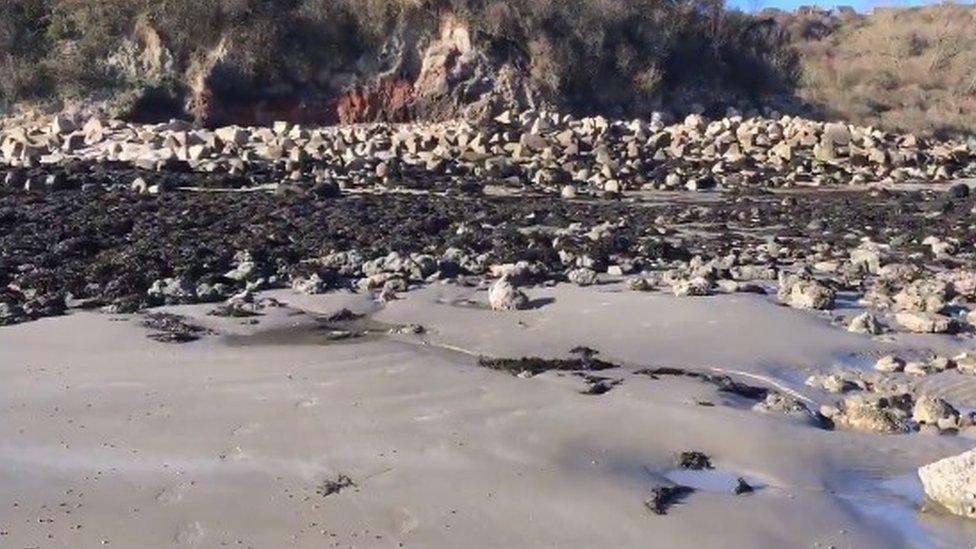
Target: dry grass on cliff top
{"points": [[908, 69]]}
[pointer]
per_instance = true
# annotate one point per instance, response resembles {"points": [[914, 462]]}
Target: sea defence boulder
{"points": [[951, 482]]}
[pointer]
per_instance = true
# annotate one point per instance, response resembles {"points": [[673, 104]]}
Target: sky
{"points": [[860, 5]]}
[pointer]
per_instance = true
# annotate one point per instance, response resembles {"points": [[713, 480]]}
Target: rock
{"points": [[925, 323], [62, 125], [951, 483], [568, 192], [640, 284], [804, 293], [309, 285], [10, 313], [917, 369], [247, 268], [889, 364], [940, 364], [868, 257], [837, 133], [934, 411], [780, 403], [966, 363], [172, 291], [753, 272], [139, 186], [504, 296], [875, 414], [700, 184], [837, 384], [232, 135], [924, 296], [697, 286], [865, 323], [582, 277]]}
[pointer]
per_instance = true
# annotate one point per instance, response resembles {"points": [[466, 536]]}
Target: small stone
{"points": [[139, 186], [742, 487]]}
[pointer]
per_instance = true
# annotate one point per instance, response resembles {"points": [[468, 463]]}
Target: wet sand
{"points": [[109, 438]]}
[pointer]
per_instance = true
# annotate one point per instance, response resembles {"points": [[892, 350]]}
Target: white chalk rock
{"points": [[504, 296], [951, 482]]}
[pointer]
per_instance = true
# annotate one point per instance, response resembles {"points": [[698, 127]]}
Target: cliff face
{"points": [[345, 61], [325, 61], [418, 76]]}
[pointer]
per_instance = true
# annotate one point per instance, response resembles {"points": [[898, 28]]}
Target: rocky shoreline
{"points": [[872, 231]]}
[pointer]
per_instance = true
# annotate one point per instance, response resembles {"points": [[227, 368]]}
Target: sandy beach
{"points": [[487, 274], [268, 434]]}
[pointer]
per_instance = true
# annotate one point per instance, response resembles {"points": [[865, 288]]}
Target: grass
{"points": [[908, 70]]}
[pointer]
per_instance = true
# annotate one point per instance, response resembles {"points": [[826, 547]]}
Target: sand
{"points": [[110, 439]]}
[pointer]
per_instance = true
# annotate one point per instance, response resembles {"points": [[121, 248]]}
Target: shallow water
{"points": [[899, 502], [314, 333], [710, 480]]}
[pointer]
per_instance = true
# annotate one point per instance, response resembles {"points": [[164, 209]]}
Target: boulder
{"points": [[925, 295], [966, 363], [582, 277], [924, 323], [781, 403], [695, 286], [172, 291], [309, 285], [874, 413], [889, 364], [504, 296], [951, 483], [929, 410], [865, 323], [804, 293]]}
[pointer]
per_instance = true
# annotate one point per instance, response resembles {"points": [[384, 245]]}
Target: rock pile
{"points": [[542, 150]]}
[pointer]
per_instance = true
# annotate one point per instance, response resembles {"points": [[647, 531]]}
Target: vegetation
{"points": [[912, 69], [589, 52], [906, 69]]}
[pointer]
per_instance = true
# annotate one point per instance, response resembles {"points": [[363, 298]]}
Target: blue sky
{"points": [[860, 5]]}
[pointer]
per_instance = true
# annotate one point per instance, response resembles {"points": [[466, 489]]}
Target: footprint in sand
{"points": [[190, 533], [310, 402], [404, 520], [173, 494]]}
